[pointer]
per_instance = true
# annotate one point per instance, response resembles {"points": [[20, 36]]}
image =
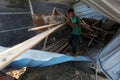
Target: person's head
{"points": [[71, 13]]}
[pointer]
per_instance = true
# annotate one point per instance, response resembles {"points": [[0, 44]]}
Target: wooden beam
{"points": [[102, 30], [45, 42], [7, 56], [86, 26], [42, 27], [66, 49], [53, 45], [57, 47], [31, 8], [96, 23], [61, 48], [62, 14], [53, 13], [93, 39], [90, 41]]}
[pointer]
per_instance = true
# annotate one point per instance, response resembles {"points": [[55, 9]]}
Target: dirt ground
{"points": [[64, 71]]}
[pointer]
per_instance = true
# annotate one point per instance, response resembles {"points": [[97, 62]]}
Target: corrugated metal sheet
{"points": [[46, 7], [109, 8], [82, 10], [109, 57], [64, 1]]}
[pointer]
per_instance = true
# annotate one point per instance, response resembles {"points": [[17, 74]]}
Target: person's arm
{"points": [[77, 22]]}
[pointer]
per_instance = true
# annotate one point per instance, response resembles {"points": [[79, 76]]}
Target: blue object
{"points": [[36, 58]]}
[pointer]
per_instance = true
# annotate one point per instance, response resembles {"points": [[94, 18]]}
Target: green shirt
{"points": [[76, 30]]}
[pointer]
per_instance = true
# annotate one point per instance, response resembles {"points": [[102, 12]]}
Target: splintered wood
{"points": [[4, 76], [57, 46], [16, 73], [42, 27], [95, 32], [47, 21]]}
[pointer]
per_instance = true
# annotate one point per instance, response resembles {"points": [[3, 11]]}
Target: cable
{"points": [[15, 29]]}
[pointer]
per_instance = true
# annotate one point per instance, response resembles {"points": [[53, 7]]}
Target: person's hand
{"points": [[69, 22]]}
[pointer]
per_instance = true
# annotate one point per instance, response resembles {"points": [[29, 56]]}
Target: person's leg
{"points": [[74, 44], [70, 39]]}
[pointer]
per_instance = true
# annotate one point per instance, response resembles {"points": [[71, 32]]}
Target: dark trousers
{"points": [[73, 40]]}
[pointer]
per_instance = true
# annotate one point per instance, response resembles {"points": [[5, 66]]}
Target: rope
{"points": [[15, 29]]}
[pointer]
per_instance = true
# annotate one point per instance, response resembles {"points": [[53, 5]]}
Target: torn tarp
{"points": [[36, 58]]}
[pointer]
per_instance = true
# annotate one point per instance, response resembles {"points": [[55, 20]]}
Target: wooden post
{"points": [[86, 26], [62, 14], [62, 47], [92, 39], [42, 27], [45, 42], [31, 8]]}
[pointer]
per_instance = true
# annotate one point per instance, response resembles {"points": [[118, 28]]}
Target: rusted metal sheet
{"points": [[41, 12], [38, 20], [44, 19]]}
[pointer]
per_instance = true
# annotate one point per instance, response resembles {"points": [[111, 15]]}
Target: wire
{"points": [[15, 29]]}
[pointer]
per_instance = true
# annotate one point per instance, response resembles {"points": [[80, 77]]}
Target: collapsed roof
{"points": [[110, 9]]}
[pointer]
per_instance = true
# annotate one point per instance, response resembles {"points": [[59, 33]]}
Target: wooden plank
{"points": [[96, 23], [61, 48], [11, 13], [86, 26], [57, 47], [45, 42], [42, 27], [66, 49], [31, 8], [90, 41], [7, 56], [53, 13], [62, 14], [94, 39], [53, 45], [102, 30]]}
